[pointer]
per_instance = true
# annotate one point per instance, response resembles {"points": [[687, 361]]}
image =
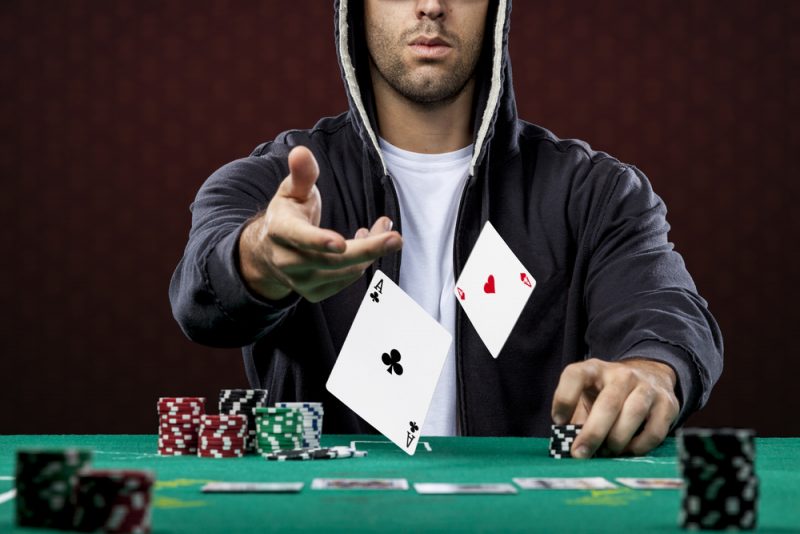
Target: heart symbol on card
{"points": [[461, 293], [488, 287], [525, 279]]}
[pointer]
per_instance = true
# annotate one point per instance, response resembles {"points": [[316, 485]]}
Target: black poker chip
{"points": [[561, 439]]}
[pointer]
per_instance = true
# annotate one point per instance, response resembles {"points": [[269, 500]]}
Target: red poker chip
{"points": [[180, 400], [225, 418], [177, 444], [222, 434], [219, 453], [223, 427], [212, 444], [166, 451], [179, 436], [226, 431]]}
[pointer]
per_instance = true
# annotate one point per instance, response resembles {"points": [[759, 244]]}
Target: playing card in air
{"points": [[493, 289], [390, 363]]}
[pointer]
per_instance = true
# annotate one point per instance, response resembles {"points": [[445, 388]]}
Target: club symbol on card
{"points": [[488, 287], [525, 279], [410, 433], [461, 293], [374, 296], [392, 359]]}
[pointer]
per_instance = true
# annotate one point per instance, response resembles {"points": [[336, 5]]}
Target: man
{"points": [[614, 336]]}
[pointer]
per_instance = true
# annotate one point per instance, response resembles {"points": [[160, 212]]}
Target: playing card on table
{"points": [[390, 363], [359, 484], [252, 487], [445, 488], [563, 483], [493, 289], [652, 483]]}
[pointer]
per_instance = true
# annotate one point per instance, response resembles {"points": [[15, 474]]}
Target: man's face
{"points": [[425, 50]]}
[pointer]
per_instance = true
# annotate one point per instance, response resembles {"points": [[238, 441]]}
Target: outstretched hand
{"points": [[285, 250], [613, 400]]}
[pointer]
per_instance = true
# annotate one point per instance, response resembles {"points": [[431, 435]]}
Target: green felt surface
{"points": [[179, 506]]}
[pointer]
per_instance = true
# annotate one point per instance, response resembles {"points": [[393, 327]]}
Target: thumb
{"points": [[303, 173]]}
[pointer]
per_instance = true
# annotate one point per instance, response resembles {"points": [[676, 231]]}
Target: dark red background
{"points": [[113, 114]]}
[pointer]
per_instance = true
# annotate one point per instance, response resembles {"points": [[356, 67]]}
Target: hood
{"points": [[495, 107]]}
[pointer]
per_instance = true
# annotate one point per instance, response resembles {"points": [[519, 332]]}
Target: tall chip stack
{"points": [[278, 429], [113, 500], [243, 402], [312, 420], [222, 436], [720, 484], [45, 481], [561, 439], [178, 425]]}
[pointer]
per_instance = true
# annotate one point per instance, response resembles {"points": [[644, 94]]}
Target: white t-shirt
{"points": [[429, 188]]}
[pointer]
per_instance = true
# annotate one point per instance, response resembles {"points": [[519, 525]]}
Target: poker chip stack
{"points": [[222, 436], [720, 484], [561, 439], [178, 424], [312, 421], [278, 429], [45, 481], [113, 501], [242, 402], [318, 453]]}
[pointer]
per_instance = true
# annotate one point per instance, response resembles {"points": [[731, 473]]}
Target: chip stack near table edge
{"points": [[113, 500], [178, 425], [312, 421], [278, 429], [222, 436], [242, 402], [316, 453], [45, 481], [561, 439], [721, 487]]}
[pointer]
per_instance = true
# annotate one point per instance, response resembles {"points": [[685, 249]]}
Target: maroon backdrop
{"points": [[113, 113]]}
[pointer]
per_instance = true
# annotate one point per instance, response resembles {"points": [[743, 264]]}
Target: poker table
{"points": [[180, 506]]}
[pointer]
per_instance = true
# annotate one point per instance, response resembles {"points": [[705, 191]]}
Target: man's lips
{"points": [[430, 47]]}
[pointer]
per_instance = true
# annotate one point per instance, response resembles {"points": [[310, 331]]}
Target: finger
{"points": [[662, 415], [581, 413], [296, 232], [604, 412], [635, 410], [364, 250], [575, 378], [383, 224], [361, 233], [303, 173]]}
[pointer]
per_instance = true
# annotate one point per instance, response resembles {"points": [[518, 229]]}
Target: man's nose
{"points": [[432, 9]]}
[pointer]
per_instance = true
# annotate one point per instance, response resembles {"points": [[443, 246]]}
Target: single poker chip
{"points": [[179, 400]]}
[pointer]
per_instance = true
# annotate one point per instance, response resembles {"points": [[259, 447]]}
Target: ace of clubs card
{"points": [[493, 289], [390, 363]]}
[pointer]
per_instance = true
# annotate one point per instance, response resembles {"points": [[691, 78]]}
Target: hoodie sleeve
{"points": [[209, 299], [640, 299]]}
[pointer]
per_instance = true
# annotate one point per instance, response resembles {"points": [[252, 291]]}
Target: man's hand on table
{"points": [[612, 400]]}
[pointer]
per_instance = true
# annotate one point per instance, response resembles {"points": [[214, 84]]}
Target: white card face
{"points": [[359, 484], [445, 488], [652, 483], [252, 487], [572, 483], [390, 363], [493, 289]]}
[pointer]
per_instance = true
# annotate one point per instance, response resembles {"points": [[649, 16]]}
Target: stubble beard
{"points": [[426, 89]]}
